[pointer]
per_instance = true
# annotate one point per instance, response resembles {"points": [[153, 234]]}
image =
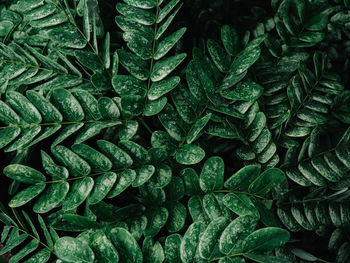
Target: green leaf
{"points": [[230, 40], [23, 106], [136, 14], [73, 250], [51, 198], [243, 178], [158, 89], [317, 23], [118, 157], [267, 181], [103, 184], [189, 154], [168, 43], [124, 180], [244, 60], [241, 205], [190, 242], [24, 174], [266, 239], [152, 252], [78, 193], [68, 105], [197, 128], [103, 248], [231, 239], [172, 248], [98, 161], [156, 219], [208, 239], [212, 174], [247, 91], [76, 165], [40, 257], [221, 59], [128, 249], [133, 64], [144, 4], [26, 195], [165, 66]]}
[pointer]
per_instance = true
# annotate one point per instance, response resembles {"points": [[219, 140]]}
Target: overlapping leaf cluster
{"points": [[192, 131]]}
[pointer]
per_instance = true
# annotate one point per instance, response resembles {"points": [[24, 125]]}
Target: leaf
{"points": [[24, 174], [26, 195], [208, 240], [232, 237], [190, 241], [68, 105], [240, 204], [98, 161], [167, 43], [73, 250], [158, 89], [197, 128], [212, 174], [103, 184], [243, 178], [136, 14], [244, 61], [190, 154], [78, 193], [76, 165], [51, 198], [247, 91], [317, 23], [119, 158], [266, 239], [230, 40], [267, 181], [128, 249], [172, 248], [23, 106], [124, 180], [218, 55], [103, 248], [165, 66]]}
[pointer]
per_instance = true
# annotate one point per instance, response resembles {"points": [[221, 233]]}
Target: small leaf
{"points": [[73, 250], [267, 181], [128, 249], [240, 204], [24, 174], [161, 88], [267, 238], [212, 174], [243, 178], [167, 43], [78, 193], [26, 195], [232, 237], [247, 91], [164, 67], [208, 239], [190, 154], [197, 128]]}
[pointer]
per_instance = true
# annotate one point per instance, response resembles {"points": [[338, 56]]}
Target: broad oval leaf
{"points": [[24, 174], [189, 154], [267, 238], [128, 249], [73, 250]]}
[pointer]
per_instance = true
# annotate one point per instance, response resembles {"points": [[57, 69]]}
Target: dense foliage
{"points": [[177, 131]]}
